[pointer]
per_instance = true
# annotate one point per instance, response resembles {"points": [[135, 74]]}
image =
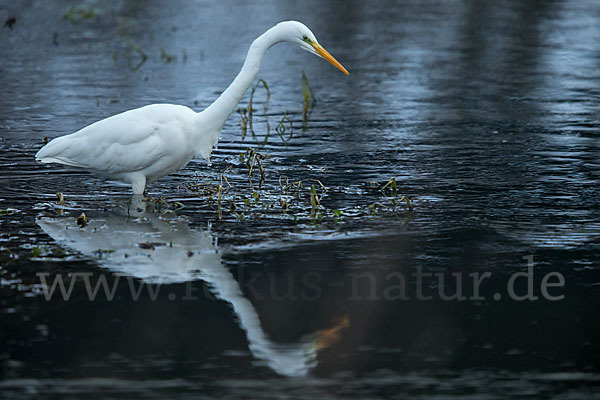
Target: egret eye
{"points": [[304, 37]]}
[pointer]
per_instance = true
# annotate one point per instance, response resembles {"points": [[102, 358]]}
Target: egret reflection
{"points": [[158, 250]]}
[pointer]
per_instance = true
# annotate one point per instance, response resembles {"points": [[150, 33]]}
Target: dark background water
{"points": [[485, 113]]}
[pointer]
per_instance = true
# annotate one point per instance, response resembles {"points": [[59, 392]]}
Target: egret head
{"points": [[297, 32]]}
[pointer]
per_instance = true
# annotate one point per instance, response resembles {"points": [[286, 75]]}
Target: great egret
{"points": [[141, 145]]}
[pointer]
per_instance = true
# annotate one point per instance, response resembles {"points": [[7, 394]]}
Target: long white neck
{"points": [[221, 109]]}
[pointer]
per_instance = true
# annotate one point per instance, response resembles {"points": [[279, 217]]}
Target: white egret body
{"points": [[141, 145]]}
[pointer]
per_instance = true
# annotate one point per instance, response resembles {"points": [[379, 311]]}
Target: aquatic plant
{"points": [[78, 13], [166, 57], [7, 211], [308, 101], [247, 113], [284, 127]]}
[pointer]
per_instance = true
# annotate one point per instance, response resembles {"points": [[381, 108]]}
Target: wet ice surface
{"points": [[486, 114]]}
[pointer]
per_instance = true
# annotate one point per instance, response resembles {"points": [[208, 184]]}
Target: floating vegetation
{"points": [[82, 220], [166, 57], [299, 190], [135, 56], [36, 252], [303, 201], [251, 158], [337, 215], [315, 205], [125, 28], [164, 206], [392, 194], [78, 13], [391, 199], [7, 211], [42, 252], [132, 49]]}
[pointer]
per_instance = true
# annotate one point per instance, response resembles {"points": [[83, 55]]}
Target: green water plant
{"points": [[250, 109], [7, 211], [166, 57], [390, 190], [78, 13]]}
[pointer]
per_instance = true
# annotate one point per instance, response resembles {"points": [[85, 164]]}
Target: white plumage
{"points": [[141, 145]]}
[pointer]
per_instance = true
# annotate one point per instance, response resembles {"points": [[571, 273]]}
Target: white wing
{"points": [[126, 142]]}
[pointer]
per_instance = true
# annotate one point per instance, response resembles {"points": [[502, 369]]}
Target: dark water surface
{"points": [[485, 113]]}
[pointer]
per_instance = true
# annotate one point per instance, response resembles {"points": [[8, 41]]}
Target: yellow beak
{"points": [[325, 54]]}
